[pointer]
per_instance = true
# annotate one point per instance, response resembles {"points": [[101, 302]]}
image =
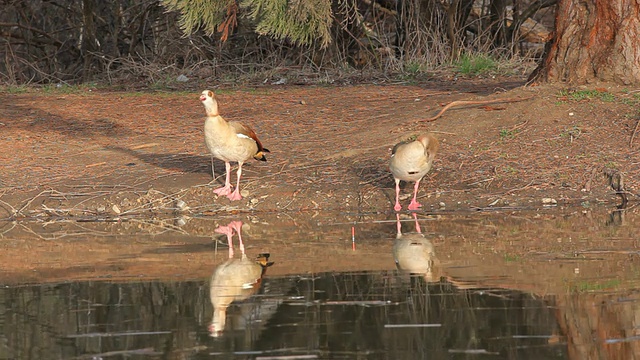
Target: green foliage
{"points": [[475, 64], [300, 21], [199, 14], [303, 21]]}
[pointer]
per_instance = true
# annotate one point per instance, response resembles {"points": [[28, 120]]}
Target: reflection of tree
{"points": [[87, 319], [348, 314], [330, 314], [600, 326]]}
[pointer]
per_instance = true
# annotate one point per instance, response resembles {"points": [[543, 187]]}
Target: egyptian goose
{"points": [[411, 161], [229, 141], [234, 280], [414, 253]]}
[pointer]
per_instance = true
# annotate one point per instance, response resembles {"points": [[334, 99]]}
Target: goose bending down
{"points": [[229, 141], [411, 161], [414, 253], [234, 280]]}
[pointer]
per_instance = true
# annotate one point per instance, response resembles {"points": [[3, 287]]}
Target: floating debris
{"points": [[117, 334], [287, 357], [386, 326], [472, 351], [622, 340]]}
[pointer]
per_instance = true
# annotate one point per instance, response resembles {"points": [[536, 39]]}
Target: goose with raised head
{"points": [[229, 141]]}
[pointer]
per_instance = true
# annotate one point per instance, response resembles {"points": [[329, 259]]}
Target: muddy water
{"points": [[545, 284]]}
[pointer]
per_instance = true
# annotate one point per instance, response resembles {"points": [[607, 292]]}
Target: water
{"points": [[552, 284]]}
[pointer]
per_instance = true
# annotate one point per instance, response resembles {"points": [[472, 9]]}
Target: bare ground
{"points": [[329, 147]]}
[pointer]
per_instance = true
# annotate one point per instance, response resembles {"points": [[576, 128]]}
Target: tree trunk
{"points": [[88, 37], [498, 12], [594, 40], [457, 14]]}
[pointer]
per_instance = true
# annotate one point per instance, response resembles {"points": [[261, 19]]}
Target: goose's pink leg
{"points": [[226, 189], [415, 205], [235, 195]]}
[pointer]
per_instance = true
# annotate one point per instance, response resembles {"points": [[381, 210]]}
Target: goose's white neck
{"points": [[211, 107]]}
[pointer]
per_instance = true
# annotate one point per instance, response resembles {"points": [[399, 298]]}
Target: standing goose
{"points": [[411, 161], [229, 141]]}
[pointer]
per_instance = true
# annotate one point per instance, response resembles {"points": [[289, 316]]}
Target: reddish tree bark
{"points": [[594, 40]]}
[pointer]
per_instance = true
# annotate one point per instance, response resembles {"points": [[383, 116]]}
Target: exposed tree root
{"points": [[469, 102]]}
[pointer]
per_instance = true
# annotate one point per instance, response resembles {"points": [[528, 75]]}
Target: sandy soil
{"points": [[329, 147]]}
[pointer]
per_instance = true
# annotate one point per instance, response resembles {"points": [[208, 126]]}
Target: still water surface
{"points": [[551, 284]]}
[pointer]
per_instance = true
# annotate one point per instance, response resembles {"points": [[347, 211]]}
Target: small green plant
{"points": [[14, 89], [413, 67], [61, 88], [607, 96], [611, 165], [511, 258], [475, 64], [628, 101], [585, 286], [633, 100], [506, 134], [49, 88], [579, 95], [571, 133]]}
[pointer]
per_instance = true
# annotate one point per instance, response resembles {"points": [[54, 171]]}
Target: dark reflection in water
{"points": [[500, 286], [350, 315]]}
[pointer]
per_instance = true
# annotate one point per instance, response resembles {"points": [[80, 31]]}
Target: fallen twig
{"points": [[32, 200], [13, 211], [633, 134], [520, 188]]}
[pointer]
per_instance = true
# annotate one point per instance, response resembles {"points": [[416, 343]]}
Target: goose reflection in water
{"points": [[414, 253], [235, 279]]}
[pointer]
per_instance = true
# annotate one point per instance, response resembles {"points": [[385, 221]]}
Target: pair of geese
{"points": [[233, 141]]}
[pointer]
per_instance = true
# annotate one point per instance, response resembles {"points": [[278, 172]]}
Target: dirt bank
{"points": [[96, 153]]}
